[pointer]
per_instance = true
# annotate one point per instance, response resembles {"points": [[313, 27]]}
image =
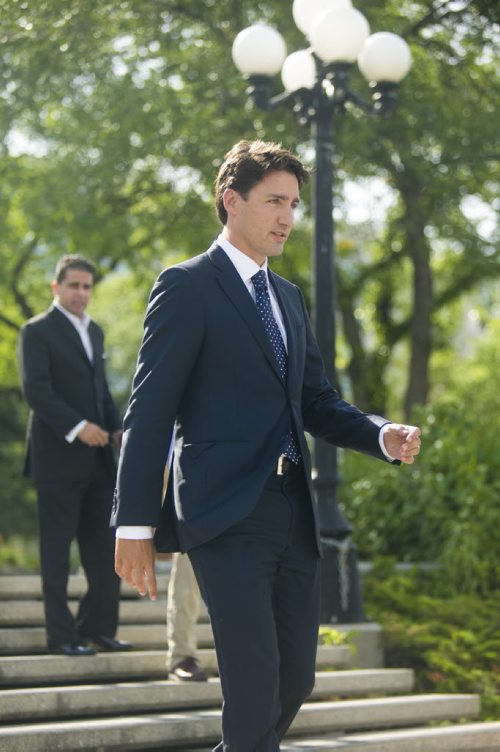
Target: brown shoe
{"points": [[187, 670]]}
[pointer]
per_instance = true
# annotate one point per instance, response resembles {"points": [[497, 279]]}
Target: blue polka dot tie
{"points": [[263, 303]]}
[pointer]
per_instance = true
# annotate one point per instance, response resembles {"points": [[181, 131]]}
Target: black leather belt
{"points": [[284, 466]]}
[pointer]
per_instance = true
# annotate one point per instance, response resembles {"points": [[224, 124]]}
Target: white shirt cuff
{"points": [[71, 436], [134, 532], [381, 442]]}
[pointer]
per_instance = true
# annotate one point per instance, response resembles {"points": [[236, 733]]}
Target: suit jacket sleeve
{"points": [[112, 420], [329, 417], [35, 369], [173, 332]]}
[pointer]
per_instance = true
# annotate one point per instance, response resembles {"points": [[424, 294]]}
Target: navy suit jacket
{"points": [[62, 387], [206, 370]]}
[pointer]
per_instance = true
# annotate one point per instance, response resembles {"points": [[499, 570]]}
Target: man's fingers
{"points": [[413, 435], [94, 435], [134, 563], [411, 446], [403, 442], [151, 585]]}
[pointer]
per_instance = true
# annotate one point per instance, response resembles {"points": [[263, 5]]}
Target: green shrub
{"points": [[18, 515], [444, 508], [19, 555], [451, 642]]}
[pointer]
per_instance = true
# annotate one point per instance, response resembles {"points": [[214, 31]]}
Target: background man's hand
{"points": [[135, 563], [93, 435], [116, 437], [402, 442]]}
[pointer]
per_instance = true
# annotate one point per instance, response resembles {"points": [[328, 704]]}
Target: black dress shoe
{"points": [[72, 648], [187, 670], [108, 644]]}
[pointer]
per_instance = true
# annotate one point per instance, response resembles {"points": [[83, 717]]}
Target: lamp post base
{"points": [[341, 601]]}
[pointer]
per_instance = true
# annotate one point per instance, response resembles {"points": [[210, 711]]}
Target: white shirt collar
{"points": [[80, 323], [245, 266]]}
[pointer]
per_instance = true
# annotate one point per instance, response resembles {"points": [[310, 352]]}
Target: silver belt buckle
{"points": [[280, 468]]}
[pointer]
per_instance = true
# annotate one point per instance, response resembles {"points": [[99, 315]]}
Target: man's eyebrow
{"points": [[283, 197]]}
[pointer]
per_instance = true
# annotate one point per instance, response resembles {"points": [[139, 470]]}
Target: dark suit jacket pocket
{"points": [[205, 473], [195, 449]]}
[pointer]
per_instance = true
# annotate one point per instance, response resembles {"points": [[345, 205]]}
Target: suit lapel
{"points": [[66, 329], [234, 288], [96, 343]]}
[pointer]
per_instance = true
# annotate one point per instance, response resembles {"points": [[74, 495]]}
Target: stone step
{"points": [[142, 622], [23, 671], [32, 640], [30, 613], [466, 737], [140, 697], [174, 730], [29, 586]]}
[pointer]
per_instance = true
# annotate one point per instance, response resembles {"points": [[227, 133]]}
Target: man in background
{"points": [[73, 424], [183, 609]]}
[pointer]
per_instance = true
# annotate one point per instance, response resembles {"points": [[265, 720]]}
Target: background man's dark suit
{"points": [[74, 481]]}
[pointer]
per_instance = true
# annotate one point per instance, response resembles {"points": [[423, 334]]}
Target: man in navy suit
{"points": [[72, 421], [229, 361]]}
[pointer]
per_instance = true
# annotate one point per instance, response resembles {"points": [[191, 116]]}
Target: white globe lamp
{"points": [[304, 11], [384, 57], [338, 35], [259, 50], [299, 71]]}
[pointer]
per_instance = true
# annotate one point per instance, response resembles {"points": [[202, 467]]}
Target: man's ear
{"points": [[55, 287], [230, 199]]}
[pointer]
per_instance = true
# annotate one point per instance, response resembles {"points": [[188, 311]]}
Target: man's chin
{"points": [[277, 250]]}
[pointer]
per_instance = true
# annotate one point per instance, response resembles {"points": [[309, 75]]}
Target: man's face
{"points": [[260, 224], [74, 291]]}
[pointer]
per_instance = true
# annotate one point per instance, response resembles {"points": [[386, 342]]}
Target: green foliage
{"points": [[452, 642], [124, 111], [330, 636], [19, 554], [17, 501], [119, 305], [445, 507]]}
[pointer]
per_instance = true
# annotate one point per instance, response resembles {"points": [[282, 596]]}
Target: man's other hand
{"points": [[402, 442], [135, 563], [92, 435]]}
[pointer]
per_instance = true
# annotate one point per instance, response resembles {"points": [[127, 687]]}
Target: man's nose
{"points": [[286, 216]]}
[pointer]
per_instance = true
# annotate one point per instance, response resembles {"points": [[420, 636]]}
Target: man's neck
{"points": [[82, 319]]}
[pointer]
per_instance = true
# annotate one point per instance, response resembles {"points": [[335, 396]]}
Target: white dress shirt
{"points": [[246, 268]]}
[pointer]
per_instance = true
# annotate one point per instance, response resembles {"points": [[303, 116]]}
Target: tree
{"points": [[129, 108]]}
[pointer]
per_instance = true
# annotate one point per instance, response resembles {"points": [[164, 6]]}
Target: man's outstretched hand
{"points": [[135, 563], [402, 442]]}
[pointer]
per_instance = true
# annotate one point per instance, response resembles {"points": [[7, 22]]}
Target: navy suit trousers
{"points": [[260, 581]]}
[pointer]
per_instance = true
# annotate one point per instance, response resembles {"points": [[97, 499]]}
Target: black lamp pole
{"points": [[341, 594]]}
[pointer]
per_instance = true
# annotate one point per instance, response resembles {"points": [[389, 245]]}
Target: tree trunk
{"points": [[419, 252], [365, 369]]}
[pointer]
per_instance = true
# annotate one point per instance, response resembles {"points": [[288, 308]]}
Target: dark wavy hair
{"points": [[73, 261], [247, 163]]}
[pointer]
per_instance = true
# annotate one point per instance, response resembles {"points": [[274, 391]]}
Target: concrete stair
{"points": [[123, 701]]}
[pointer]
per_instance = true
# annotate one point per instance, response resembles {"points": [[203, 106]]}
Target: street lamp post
{"points": [[316, 83]]}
